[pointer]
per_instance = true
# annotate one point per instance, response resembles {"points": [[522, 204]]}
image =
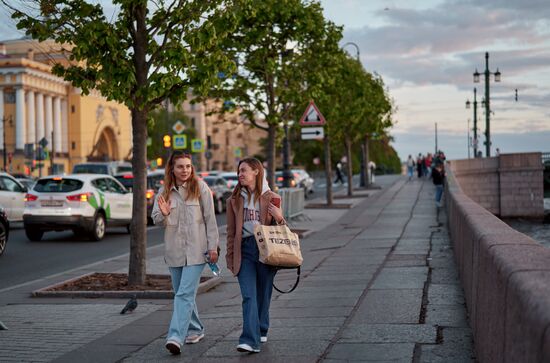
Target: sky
{"points": [[427, 50]]}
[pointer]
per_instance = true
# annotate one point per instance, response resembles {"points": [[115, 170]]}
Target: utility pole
{"points": [[5, 152], [52, 157], [436, 148], [468, 139]]}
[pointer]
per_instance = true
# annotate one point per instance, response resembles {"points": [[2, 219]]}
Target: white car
{"points": [[84, 203], [12, 197], [231, 177]]}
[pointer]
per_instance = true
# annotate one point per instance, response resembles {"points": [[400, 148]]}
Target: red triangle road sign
{"points": [[312, 116]]}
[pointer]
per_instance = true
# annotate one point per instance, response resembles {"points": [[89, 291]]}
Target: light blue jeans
{"points": [[438, 193], [185, 318]]}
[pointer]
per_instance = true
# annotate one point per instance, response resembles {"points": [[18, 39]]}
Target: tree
{"points": [[148, 52], [276, 45]]}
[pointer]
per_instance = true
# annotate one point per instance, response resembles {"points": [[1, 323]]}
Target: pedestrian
{"points": [[410, 167], [372, 167], [419, 165], [251, 203], [339, 175], [428, 162], [438, 177], [185, 207]]}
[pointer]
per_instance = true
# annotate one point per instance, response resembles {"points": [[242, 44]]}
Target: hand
{"points": [[212, 256], [164, 206], [276, 212]]}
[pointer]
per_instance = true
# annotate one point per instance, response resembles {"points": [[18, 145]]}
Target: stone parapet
{"points": [[506, 281]]}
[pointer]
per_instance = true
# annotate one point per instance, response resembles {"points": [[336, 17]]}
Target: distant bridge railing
{"points": [[545, 157]]}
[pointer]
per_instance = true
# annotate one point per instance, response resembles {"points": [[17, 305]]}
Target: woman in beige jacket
{"points": [[252, 202], [184, 206]]}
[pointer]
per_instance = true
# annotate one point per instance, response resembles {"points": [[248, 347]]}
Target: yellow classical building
{"points": [[39, 109]]}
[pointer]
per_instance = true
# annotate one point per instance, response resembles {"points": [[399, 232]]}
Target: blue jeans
{"points": [[185, 318], [438, 192], [256, 282]]}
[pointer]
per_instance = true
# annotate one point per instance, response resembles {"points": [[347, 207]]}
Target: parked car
{"points": [[279, 179], [109, 168], [202, 174], [84, 203], [4, 230], [220, 191], [304, 180], [231, 177], [12, 197], [27, 182], [154, 181]]}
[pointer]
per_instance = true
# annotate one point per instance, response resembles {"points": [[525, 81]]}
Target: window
{"points": [[57, 186], [101, 184], [115, 187], [193, 122], [72, 109], [10, 185]]}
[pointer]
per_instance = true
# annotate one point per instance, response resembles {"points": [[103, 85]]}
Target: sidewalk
{"points": [[378, 283]]}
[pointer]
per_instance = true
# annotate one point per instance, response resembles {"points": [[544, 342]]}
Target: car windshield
{"points": [[90, 169], [126, 180], [210, 181], [231, 177], [123, 168], [57, 185]]}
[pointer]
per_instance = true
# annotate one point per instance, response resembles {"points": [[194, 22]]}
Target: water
{"points": [[538, 231]]}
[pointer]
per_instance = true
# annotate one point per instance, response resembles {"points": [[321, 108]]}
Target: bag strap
{"points": [[298, 269]]}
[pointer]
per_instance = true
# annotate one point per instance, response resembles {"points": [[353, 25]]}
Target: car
{"points": [[4, 230], [12, 197], [28, 182], [202, 174], [155, 179], [279, 179], [220, 191], [304, 180], [109, 168], [231, 177], [83, 203]]}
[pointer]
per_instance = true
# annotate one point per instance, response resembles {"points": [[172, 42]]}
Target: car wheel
{"points": [[33, 234], [3, 238], [98, 229], [218, 206]]}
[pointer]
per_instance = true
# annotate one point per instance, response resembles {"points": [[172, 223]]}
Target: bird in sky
{"points": [[131, 305]]}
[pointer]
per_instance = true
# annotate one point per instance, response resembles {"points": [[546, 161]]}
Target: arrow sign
{"points": [[313, 133], [312, 116]]}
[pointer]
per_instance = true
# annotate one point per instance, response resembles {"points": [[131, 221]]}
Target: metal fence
{"points": [[293, 200]]}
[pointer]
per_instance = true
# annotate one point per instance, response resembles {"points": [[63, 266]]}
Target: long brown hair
{"points": [[193, 190], [255, 164]]}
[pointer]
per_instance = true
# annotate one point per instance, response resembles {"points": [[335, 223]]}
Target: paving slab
{"points": [[401, 306], [389, 333], [395, 352]]}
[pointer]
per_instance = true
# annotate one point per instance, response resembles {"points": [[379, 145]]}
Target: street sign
{"points": [[179, 141], [312, 116], [178, 127], [238, 152], [197, 145], [313, 133]]}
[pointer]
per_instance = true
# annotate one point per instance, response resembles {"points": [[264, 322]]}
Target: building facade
{"points": [[46, 124]]}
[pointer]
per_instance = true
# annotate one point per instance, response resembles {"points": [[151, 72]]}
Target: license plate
{"points": [[51, 203]]}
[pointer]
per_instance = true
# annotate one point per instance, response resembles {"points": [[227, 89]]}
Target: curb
{"points": [[143, 294], [325, 206]]}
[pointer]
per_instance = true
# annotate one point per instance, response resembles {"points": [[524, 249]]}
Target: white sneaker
{"points": [[263, 339], [193, 339], [247, 348], [173, 346]]}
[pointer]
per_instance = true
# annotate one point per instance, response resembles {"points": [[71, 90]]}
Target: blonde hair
{"points": [[193, 190], [255, 164]]}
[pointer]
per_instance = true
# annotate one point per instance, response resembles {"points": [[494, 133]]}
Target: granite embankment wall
{"points": [[504, 273]]}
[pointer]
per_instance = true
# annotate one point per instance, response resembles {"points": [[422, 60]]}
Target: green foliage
{"points": [[160, 124]]}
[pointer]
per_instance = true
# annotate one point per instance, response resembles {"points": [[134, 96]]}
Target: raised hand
{"points": [[164, 206]]}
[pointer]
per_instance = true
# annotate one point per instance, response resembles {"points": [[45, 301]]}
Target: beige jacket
{"points": [[235, 211], [189, 230]]}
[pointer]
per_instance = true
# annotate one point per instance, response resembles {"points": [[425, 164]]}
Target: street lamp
{"points": [[474, 142], [287, 175], [364, 145], [487, 75]]}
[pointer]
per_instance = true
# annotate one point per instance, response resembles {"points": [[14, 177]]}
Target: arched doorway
{"points": [[106, 147]]}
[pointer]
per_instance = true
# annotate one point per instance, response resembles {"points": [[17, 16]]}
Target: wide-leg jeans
{"points": [[185, 318], [256, 282]]}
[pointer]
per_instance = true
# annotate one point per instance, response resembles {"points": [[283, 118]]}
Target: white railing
{"points": [[293, 200]]}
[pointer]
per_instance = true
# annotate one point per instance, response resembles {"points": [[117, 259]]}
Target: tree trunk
{"points": [[138, 232], [328, 170], [366, 158], [271, 155], [349, 168], [138, 226]]}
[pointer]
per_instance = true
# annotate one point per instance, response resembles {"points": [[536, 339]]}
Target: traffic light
{"points": [[167, 140], [159, 162]]}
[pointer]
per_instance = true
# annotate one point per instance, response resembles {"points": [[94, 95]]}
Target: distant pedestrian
{"points": [[419, 165], [372, 167], [339, 174], [438, 177], [410, 167], [184, 206], [497, 153], [251, 203], [428, 163]]}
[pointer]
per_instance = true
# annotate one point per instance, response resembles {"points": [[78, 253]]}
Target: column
{"points": [[39, 116], [20, 119], [2, 118], [49, 120], [31, 128], [57, 131], [64, 127]]}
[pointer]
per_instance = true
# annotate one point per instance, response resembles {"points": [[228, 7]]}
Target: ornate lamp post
{"points": [[487, 74], [474, 141]]}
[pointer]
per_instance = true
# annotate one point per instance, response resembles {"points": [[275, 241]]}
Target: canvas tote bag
{"points": [[278, 246]]}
